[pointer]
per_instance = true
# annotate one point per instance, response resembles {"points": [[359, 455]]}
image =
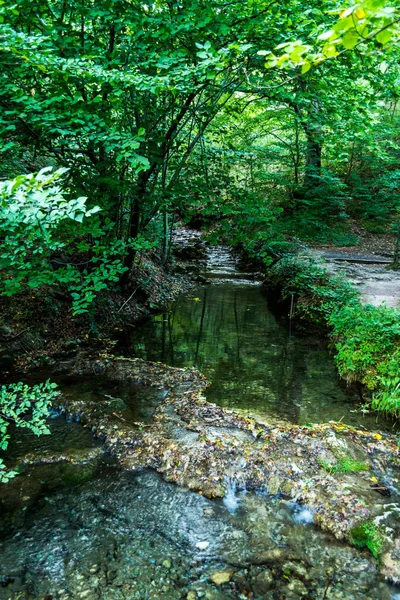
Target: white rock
{"points": [[202, 545]]}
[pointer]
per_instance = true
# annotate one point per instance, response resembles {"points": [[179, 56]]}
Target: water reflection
{"points": [[255, 365]]}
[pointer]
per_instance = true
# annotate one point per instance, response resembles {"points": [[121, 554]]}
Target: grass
{"points": [[344, 465]]}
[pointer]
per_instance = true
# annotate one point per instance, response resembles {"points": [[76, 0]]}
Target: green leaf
{"points": [[350, 40], [383, 37]]}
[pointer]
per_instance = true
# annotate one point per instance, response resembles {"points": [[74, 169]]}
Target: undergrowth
{"points": [[366, 338], [366, 535], [344, 465]]}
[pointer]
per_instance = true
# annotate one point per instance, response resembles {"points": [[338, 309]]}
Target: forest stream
{"points": [[75, 524]]}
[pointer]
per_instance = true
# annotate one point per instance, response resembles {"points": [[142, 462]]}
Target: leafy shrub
{"points": [[26, 407], [366, 338], [318, 292], [367, 343], [366, 535], [387, 397], [48, 240], [344, 464]]}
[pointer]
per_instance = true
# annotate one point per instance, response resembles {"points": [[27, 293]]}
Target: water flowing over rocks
{"points": [[203, 448]]}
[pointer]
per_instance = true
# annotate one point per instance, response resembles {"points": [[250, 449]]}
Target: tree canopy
{"points": [[164, 110]]}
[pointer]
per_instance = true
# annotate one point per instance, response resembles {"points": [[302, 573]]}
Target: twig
{"points": [[14, 337], [126, 301]]}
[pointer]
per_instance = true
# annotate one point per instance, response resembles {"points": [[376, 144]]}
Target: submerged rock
{"points": [[262, 582], [221, 577]]}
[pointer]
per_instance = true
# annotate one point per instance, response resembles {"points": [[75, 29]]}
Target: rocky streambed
{"points": [[150, 491], [343, 480]]}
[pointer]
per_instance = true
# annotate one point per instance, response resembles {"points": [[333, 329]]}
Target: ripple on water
{"points": [[135, 536]]}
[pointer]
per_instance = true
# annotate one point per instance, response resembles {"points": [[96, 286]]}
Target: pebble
{"points": [[85, 594], [221, 577], [94, 569], [167, 563], [191, 595], [202, 545], [298, 588]]}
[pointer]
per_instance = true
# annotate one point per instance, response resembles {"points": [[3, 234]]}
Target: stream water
{"points": [[83, 529], [256, 365]]}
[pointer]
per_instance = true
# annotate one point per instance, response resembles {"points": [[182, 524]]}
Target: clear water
{"points": [[124, 536], [255, 365], [86, 530]]}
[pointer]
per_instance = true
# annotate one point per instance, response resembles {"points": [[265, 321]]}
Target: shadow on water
{"points": [[256, 366]]}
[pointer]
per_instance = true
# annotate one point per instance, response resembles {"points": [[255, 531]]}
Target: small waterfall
{"points": [[231, 499], [222, 264], [235, 487], [302, 514]]}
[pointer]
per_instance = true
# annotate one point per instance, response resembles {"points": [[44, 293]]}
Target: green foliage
{"points": [[43, 232], [360, 23], [318, 293], [319, 212], [387, 397], [27, 407], [164, 108], [118, 92], [366, 535], [344, 464], [227, 199], [367, 343], [366, 338]]}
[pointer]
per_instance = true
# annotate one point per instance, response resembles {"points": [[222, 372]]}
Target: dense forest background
{"points": [[268, 123]]}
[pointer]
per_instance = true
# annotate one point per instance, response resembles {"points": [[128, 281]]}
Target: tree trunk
{"points": [[313, 165]]}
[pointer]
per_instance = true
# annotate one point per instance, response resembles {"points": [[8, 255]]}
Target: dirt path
{"points": [[370, 273]]}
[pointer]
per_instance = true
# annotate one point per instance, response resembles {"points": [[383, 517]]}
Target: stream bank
{"points": [[370, 274], [186, 499], [197, 445], [40, 329]]}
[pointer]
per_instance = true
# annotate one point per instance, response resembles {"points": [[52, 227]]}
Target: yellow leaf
{"points": [[377, 436], [360, 13], [374, 479], [196, 299]]}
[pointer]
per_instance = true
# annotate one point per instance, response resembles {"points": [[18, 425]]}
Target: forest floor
{"points": [[368, 243], [366, 265], [376, 282]]}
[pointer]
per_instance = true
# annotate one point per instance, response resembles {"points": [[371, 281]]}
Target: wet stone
{"points": [[167, 564], [262, 582], [221, 577], [92, 524], [297, 589]]}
